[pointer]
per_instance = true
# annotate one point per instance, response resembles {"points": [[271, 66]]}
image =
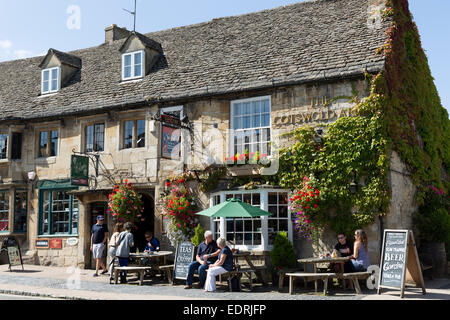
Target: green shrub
{"points": [[433, 219], [199, 236], [283, 255]]}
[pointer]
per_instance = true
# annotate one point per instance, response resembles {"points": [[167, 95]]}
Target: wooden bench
{"points": [[282, 274], [355, 277], [247, 271], [167, 269], [307, 276], [138, 270]]}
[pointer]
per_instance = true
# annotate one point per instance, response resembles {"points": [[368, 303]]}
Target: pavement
{"points": [[78, 284]]}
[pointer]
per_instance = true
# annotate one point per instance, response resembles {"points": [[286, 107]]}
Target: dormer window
{"points": [[50, 80], [133, 65]]}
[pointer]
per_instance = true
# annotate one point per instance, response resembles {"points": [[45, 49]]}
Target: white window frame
{"points": [[132, 54], [264, 204], [232, 130], [50, 79]]}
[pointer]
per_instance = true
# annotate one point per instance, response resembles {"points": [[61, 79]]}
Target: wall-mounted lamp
{"points": [[31, 176]]}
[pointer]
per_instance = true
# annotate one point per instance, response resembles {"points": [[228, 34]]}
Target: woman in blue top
{"points": [[223, 264], [360, 258]]}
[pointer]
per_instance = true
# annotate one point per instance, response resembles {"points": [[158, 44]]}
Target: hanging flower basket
{"points": [[125, 204]]}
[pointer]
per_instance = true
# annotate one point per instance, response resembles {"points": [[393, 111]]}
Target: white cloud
{"points": [[8, 52], [22, 54], [5, 44]]}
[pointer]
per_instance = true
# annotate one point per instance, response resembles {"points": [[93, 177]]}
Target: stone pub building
{"points": [[238, 82]]}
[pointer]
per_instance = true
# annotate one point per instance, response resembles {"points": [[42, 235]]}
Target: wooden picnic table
{"points": [[259, 271], [316, 261], [154, 254]]}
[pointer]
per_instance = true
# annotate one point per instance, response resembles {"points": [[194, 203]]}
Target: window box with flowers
{"points": [[246, 163]]}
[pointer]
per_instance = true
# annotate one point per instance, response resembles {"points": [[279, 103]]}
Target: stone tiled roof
{"points": [[64, 58], [307, 41]]}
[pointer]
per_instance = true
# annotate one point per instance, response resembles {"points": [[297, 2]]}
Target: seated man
{"points": [[344, 249], [152, 242], [207, 253], [151, 246]]}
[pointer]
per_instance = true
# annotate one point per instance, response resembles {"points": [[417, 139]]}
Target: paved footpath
{"points": [[55, 282]]}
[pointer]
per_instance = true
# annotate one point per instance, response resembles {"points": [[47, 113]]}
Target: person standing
{"points": [[206, 254], [99, 236], [124, 243], [118, 228], [223, 265]]}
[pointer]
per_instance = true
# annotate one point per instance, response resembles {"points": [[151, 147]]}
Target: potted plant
{"points": [[432, 220], [283, 254]]}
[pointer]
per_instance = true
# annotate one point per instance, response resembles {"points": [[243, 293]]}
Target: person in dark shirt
{"points": [[99, 236], [223, 265], [152, 242], [207, 253], [344, 248]]}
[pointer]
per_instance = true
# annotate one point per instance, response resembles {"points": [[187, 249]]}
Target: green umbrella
{"points": [[234, 208]]}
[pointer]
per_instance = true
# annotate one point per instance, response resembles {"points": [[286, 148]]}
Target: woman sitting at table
{"points": [[223, 264], [360, 258]]}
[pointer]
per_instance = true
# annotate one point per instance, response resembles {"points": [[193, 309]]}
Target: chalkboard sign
{"points": [[399, 261], [184, 256], [394, 259]]}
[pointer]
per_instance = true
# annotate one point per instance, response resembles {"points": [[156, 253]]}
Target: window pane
{"points": [[138, 70], [140, 134], [43, 138], [54, 79], [127, 60], [127, 72], [137, 58], [54, 143], [3, 146], [45, 86], [283, 211], [283, 225], [16, 150], [265, 120], [265, 106], [237, 109], [45, 75], [247, 108], [4, 211], [273, 199], [237, 123], [246, 122], [90, 138], [256, 105], [273, 210], [20, 211], [99, 137], [75, 216], [128, 135], [256, 120]]}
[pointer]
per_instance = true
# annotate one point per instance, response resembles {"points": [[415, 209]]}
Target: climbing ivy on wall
{"points": [[403, 113]]}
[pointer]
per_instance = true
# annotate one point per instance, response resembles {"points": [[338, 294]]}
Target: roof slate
{"points": [[307, 41]]}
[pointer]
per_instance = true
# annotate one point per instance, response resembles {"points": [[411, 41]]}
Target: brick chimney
{"points": [[114, 33]]}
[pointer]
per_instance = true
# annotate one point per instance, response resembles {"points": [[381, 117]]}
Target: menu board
{"points": [[393, 261], [14, 256], [184, 256]]}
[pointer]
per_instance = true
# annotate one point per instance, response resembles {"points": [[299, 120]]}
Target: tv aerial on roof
{"points": [[134, 15]]}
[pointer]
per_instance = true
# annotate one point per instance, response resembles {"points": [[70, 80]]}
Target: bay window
{"points": [[58, 213], [254, 233]]}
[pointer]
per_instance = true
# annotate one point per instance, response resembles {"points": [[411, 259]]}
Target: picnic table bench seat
{"points": [[353, 276], [139, 270], [239, 272], [282, 275], [168, 269]]}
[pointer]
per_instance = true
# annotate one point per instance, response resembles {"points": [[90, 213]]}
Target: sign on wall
{"points": [[42, 244], [170, 142], [56, 243], [79, 170], [184, 256], [399, 259]]}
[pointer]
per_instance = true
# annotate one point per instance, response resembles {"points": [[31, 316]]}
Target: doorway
{"points": [[146, 221], [98, 209]]}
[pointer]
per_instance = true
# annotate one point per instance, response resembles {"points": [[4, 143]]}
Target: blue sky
{"points": [[30, 27]]}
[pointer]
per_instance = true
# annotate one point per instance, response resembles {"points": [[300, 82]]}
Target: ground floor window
{"points": [[20, 211], [258, 232], [4, 211], [58, 212]]}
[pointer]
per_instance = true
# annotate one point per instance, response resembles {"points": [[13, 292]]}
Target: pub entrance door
{"points": [[98, 209], [146, 222]]}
